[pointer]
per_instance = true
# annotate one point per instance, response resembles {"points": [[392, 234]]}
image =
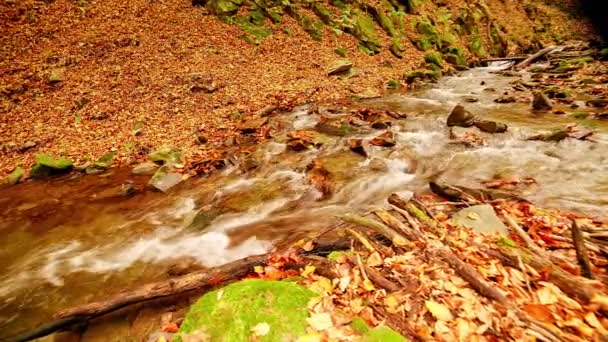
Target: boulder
{"points": [[506, 99], [541, 102], [146, 168], [491, 126], [597, 103], [252, 126], [461, 117], [554, 136], [15, 176], [164, 179], [340, 67], [386, 139], [170, 156], [356, 145], [46, 166], [481, 218]]}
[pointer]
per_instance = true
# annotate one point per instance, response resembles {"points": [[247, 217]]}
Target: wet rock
{"points": [[340, 67], [541, 102], [377, 164], [554, 136], [252, 126], [26, 146], [506, 99], [559, 112], [396, 115], [460, 117], [356, 145], [55, 76], [381, 124], [597, 103], [266, 111], [491, 126], [164, 179], [46, 166], [602, 116], [482, 218], [15, 176], [123, 190], [248, 163], [303, 140], [386, 139], [170, 156], [146, 168], [101, 164], [336, 127], [471, 99], [319, 177]]}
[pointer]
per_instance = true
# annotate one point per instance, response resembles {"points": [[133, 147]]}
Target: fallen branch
{"points": [[534, 57], [503, 59], [581, 251], [194, 281], [396, 238]]}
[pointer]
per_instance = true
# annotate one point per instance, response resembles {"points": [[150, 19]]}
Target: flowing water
{"points": [[66, 242]]}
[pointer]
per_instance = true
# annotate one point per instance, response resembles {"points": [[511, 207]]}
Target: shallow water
{"points": [[64, 243]]}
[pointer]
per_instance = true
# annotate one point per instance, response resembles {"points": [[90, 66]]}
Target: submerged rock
{"points": [[554, 136], [46, 166], [491, 126], [356, 145], [386, 139], [506, 99], [461, 117], [597, 103], [482, 218], [541, 102], [164, 179]]}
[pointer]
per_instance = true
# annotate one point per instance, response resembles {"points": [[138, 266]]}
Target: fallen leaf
{"points": [[320, 321], [308, 270], [439, 311], [261, 329], [170, 327], [539, 312]]}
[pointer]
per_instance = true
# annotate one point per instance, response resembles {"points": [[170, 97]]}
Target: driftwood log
{"points": [[534, 57], [199, 280]]}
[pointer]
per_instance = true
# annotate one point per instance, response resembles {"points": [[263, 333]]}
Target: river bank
{"points": [[147, 75]]}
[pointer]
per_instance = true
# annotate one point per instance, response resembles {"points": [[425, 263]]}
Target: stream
{"points": [[65, 243]]}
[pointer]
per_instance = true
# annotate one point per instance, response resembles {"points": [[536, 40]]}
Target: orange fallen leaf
{"points": [[170, 327]]}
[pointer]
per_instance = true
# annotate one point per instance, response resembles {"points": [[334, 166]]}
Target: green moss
{"points": [[15, 176], [364, 30], [455, 56], [253, 25], [477, 47], [504, 241], [230, 313], [224, 8], [413, 6], [429, 37], [434, 59], [333, 256], [46, 165], [378, 334], [342, 52], [386, 23], [604, 53], [322, 12], [397, 47], [424, 44], [168, 155], [105, 161]]}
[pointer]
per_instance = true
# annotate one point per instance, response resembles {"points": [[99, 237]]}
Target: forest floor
{"points": [[133, 76]]}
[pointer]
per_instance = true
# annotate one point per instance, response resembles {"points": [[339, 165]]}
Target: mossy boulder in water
{"points": [[46, 166], [235, 312], [15, 176]]}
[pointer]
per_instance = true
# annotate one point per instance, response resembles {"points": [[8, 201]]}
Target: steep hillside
{"points": [[82, 77]]}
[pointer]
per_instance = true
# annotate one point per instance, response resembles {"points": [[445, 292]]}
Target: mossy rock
{"points": [[424, 44], [455, 56], [253, 25], [365, 31], [224, 8], [170, 156], [412, 6], [15, 176], [231, 313], [604, 53], [342, 52], [477, 48], [323, 13], [47, 165], [434, 59], [313, 27], [397, 47]]}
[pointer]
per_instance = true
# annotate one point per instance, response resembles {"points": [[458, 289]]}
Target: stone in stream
{"points": [[164, 179], [491, 126], [15, 176], [170, 156], [386, 139], [356, 145], [252, 126], [554, 136], [381, 124], [597, 103], [506, 99], [461, 117], [481, 218], [541, 102], [46, 166], [146, 168]]}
